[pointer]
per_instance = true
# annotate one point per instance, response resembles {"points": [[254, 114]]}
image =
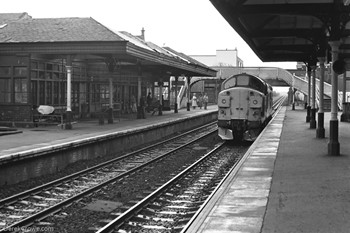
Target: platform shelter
{"points": [[81, 68], [314, 32]]}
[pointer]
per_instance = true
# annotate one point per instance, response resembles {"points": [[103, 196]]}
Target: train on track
{"points": [[245, 107]]}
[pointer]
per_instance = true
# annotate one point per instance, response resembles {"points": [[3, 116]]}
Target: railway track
{"points": [[36, 204], [278, 103], [171, 206], [32, 206]]}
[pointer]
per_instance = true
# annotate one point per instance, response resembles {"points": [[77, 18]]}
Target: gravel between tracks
{"points": [[79, 217], [9, 190]]}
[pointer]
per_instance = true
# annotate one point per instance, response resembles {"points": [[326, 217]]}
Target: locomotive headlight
{"points": [[255, 102], [256, 113], [223, 101]]}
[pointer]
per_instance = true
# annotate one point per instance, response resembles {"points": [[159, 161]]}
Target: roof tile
{"points": [[55, 30]]}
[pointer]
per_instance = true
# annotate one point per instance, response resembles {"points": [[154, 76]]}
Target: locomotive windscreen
{"points": [[237, 81], [245, 81]]}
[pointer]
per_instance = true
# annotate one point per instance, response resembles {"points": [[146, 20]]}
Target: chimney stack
{"points": [[143, 34]]}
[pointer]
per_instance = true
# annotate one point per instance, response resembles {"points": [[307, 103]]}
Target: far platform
{"points": [[43, 136]]}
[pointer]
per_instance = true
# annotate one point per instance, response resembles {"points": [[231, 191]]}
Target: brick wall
{"points": [[15, 113]]}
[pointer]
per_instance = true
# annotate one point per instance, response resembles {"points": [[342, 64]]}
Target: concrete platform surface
{"points": [[310, 190], [287, 184], [42, 136]]}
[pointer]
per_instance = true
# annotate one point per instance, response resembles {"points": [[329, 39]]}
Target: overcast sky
{"points": [[193, 27]]}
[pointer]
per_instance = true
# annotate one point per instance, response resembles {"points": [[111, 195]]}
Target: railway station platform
{"points": [[34, 138], [47, 149], [287, 184]]}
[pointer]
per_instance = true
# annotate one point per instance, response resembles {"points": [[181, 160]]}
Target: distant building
{"points": [[224, 57]]}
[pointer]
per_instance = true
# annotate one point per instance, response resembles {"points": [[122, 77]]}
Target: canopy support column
{"points": [[188, 93], [175, 105], [313, 107], [320, 131], [69, 115], [343, 117], [110, 109], [308, 108], [160, 108], [333, 144]]}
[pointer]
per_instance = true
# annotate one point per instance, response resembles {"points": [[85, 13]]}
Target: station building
{"points": [[80, 67]]}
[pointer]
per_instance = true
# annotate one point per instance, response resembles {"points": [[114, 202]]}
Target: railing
{"points": [[317, 97], [302, 86], [181, 95], [299, 83], [340, 100]]}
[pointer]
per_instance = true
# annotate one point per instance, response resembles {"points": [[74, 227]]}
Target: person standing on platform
{"points": [[200, 101], [142, 114], [194, 101], [149, 102], [133, 104], [205, 100]]}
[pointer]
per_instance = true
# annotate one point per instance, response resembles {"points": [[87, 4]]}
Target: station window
{"points": [[5, 90], [20, 71], [20, 90], [5, 71], [5, 84], [13, 84]]}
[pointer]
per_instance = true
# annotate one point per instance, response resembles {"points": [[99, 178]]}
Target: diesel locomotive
{"points": [[244, 107]]}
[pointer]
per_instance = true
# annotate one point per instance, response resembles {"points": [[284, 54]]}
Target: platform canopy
{"points": [[289, 30], [86, 40]]}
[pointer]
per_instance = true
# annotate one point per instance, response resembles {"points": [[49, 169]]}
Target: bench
{"points": [[57, 117], [47, 119]]}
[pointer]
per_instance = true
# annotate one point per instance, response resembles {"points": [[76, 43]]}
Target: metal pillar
{"points": [[313, 107], [69, 115], [293, 96], [160, 109], [308, 108], [110, 109], [175, 105], [343, 116], [140, 100], [320, 131], [333, 144], [188, 93]]}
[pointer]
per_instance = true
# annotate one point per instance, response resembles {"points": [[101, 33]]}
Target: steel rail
{"points": [[220, 189], [53, 209], [117, 222], [27, 193]]}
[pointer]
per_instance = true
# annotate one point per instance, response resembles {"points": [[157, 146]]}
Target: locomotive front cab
{"points": [[224, 116], [233, 106], [241, 107]]}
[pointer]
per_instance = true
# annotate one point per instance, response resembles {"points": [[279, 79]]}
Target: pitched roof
{"points": [[133, 39], [10, 17], [184, 57], [55, 30]]}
